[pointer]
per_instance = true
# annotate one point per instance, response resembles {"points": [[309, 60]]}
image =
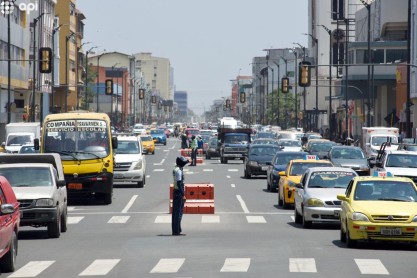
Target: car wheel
{"points": [[8, 262], [279, 199], [297, 217], [153, 152], [64, 218], [141, 183], [268, 186], [107, 198], [342, 234], [54, 228], [165, 144], [350, 243], [306, 224]]}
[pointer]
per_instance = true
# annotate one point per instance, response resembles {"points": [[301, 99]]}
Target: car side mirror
{"points": [[341, 197], [7, 209], [61, 183], [282, 173], [36, 144], [114, 142], [378, 164], [299, 185]]}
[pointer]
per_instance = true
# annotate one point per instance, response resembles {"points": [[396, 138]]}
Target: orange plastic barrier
{"points": [[200, 198], [199, 160], [187, 152]]}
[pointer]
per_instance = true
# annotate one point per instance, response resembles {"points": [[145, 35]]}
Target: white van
{"points": [[130, 167]]}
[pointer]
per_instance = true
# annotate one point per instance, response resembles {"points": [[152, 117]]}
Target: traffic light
{"points": [[141, 93], [304, 74], [153, 99], [45, 60], [227, 103], [109, 87], [242, 97], [285, 82]]}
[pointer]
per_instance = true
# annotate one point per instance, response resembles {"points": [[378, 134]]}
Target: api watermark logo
{"points": [[7, 7]]}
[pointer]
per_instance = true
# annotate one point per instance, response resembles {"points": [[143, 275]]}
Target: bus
{"points": [[84, 142]]}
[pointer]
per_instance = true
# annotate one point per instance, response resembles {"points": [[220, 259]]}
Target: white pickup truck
{"points": [[39, 184], [399, 163]]}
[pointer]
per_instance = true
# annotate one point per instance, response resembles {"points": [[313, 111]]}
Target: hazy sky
{"points": [[207, 42]]}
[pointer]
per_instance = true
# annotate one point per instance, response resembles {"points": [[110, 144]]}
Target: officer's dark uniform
{"points": [[178, 198]]}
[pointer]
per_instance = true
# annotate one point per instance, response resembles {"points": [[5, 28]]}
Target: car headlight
{"points": [[414, 219], [138, 165], [44, 203], [313, 202], [253, 163], [291, 184], [358, 216]]}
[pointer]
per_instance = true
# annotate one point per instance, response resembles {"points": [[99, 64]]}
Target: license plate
{"points": [[75, 186], [391, 231], [264, 168], [337, 213]]}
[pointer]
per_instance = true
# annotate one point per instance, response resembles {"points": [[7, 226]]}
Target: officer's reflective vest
{"points": [[174, 174], [194, 144]]}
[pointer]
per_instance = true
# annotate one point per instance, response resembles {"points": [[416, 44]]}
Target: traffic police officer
{"points": [[179, 195], [194, 146]]}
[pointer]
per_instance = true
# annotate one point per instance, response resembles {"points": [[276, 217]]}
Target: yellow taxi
{"points": [[148, 144], [379, 208], [292, 175]]}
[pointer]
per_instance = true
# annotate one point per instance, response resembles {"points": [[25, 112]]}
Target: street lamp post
{"points": [[86, 76], [53, 67], [296, 89], [330, 80], [9, 65], [304, 89], [277, 93], [35, 22], [286, 95], [316, 41]]}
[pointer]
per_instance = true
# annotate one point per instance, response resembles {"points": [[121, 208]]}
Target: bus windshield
{"points": [[77, 139]]}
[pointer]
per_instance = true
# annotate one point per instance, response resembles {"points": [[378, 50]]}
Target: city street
{"points": [[248, 236]]}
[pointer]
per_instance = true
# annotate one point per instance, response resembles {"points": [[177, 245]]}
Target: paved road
{"points": [[248, 236]]}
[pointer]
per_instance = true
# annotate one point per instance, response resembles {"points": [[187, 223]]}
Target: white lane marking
{"points": [[186, 170], [168, 265], [236, 265], [371, 267], [71, 208], [163, 219], [162, 161], [166, 150], [174, 147], [228, 177], [148, 176], [233, 185], [130, 203], [292, 218], [99, 267], [233, 170], [242, 204], [207, 170], [118, 219], [255, 219], [74, 219], [210, 219], [302, 265], [158, 170], [32, 269]]}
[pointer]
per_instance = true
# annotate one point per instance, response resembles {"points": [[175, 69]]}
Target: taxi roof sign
{"points": [[311, 157], [382, 174]]}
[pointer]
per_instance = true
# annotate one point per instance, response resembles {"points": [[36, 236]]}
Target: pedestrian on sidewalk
{"points": [[178, 195]]}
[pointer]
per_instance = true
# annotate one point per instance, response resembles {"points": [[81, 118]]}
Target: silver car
{"points": [[349, 157], [315, 198]]}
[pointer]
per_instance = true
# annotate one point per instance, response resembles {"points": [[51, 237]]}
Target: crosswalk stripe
{"points": [[158, 170], [164, 219], [168, 265], [118, 219], [255, 219], [302, 265], [99, 267], [210, 219], [32, 269], [207, 170], [236, 265], [233, 170], [74, 219], [368, 266]]}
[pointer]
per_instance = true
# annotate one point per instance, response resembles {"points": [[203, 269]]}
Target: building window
{"points": [[72, 8], [154, 75], [396, 55], [72, 66]]}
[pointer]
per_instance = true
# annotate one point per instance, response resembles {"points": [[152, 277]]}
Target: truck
{"points": [[19, 134], [373, 137], [228, 122], [233, 143]]}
